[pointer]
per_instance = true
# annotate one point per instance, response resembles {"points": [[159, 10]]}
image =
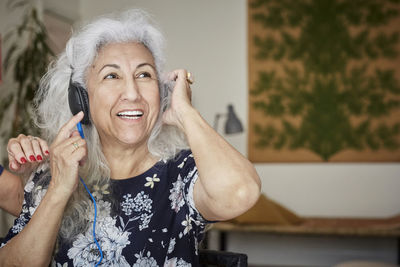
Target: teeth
{"points": [[130, 113], [130, 117]]}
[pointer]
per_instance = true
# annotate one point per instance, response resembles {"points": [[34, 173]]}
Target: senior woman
{"points": [[158, 172]]}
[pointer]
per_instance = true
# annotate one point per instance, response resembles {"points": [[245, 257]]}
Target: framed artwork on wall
{"points": [[324, 81]]}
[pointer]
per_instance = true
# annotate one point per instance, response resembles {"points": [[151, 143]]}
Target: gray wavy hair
{"points": [[51, 101]]}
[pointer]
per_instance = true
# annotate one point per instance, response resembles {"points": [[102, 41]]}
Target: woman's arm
{"points": [[228, 184], [34, 245], [11, 192]]}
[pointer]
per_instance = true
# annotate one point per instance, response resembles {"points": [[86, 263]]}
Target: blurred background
{"points": [[210, 38]]}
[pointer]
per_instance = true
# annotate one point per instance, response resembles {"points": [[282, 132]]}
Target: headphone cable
{"points": [[94, 222]]}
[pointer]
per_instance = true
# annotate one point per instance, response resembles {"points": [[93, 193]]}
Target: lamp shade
{"points": [[233, 124]]}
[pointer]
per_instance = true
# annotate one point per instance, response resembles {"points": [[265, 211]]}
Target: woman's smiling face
{"points": [[123, 94]]}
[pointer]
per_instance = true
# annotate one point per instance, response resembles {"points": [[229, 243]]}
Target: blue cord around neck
{"points": [[80, 130], [94, 222]]}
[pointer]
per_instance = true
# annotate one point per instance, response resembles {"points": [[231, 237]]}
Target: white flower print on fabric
{"points": [[180, 166], [187, 224], [145, 218], [103, 210], [54, 264], [29, 186], [143, 261], [38, 195], [42, 168], [141, 205], [177, 194], [127, 205], [171, 246], [20, 223], [174, 262], [151, 181], [192, 173], [112, 240], [193, 212], [25, 208]]}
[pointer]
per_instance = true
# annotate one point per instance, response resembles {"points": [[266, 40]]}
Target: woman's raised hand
{"points": [[25, 152], [180, 99], [67, 150]]}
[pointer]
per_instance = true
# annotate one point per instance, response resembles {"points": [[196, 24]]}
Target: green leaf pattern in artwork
{"points": [[327, 91]]}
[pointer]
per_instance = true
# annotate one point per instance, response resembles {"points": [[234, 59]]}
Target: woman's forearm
{"points": [[11, 193], [34, 245], [228, 184]]}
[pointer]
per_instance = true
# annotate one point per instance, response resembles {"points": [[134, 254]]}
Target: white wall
{"points": [[210, 39]]}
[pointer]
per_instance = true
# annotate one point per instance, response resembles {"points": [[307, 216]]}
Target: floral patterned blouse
{"points": [[152, 220]]}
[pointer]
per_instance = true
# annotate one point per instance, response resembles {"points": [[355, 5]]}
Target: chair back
{"points": [[222, 258]]}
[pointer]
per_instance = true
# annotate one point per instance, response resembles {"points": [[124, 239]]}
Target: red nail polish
{"points": [[47, 152], [23, 160], [32, 158], [39, 158]]}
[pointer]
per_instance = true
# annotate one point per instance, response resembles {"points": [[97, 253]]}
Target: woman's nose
{"points": [[131, 91]]}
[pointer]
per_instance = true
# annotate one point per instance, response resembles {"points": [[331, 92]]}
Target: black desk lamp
{"points": [[232, 124]]}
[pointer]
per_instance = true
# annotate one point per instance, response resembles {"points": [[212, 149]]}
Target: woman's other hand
{"points": [[25, 152], [66, 153], [180, 99]]}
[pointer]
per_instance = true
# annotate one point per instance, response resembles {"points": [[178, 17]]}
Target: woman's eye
{"points": [[111, 76], [144, 75]]}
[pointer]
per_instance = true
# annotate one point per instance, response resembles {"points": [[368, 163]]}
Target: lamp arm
{"points": [[216, 120]]}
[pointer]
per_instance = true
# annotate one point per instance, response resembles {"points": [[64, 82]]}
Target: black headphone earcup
{"points": [[79, 101]]}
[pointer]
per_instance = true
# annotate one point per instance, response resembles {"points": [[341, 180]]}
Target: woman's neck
{"points": [[127, 162]]}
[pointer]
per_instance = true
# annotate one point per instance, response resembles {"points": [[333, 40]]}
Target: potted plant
{"points": [[28, 57]]}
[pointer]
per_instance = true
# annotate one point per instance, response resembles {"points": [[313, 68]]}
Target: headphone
{"points": [[78, 100]]}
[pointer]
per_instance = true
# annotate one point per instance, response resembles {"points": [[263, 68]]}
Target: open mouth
{"points": [[131, 114]]}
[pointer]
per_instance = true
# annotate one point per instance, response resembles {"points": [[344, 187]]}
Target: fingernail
{"points": [[23, 160], [39, 158], [32, 158], [47, 152]]}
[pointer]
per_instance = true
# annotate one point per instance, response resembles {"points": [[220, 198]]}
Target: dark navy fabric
{"points": [[147, 220]]}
